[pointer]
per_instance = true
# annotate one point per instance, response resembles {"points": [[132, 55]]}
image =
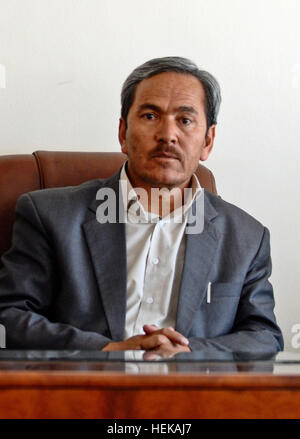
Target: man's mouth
{"points": [[166, 156]]}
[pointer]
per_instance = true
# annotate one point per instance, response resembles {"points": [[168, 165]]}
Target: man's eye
{"points": [[186, 121], [149, 116]]}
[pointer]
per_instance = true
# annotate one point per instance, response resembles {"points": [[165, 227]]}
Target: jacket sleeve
{"points": [[255, 329], [28, 283]]}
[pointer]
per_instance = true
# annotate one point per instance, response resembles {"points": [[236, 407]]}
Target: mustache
{"points": [[164, 149]]}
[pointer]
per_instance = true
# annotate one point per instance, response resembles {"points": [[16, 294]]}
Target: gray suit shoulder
{"points": [[233, 217], [59, 207], [82, 193]]}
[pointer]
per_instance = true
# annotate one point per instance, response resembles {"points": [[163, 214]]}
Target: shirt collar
{"points": [[130, 198], [132, 205]]}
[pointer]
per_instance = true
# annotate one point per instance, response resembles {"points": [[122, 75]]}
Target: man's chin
{"points": [[160, 180]]}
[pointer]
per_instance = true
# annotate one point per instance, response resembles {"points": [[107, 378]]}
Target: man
{"points": [[75, 281]]}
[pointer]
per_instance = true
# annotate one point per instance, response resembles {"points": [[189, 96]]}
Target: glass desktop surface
{"points": [[200, 363], [205, 355]]}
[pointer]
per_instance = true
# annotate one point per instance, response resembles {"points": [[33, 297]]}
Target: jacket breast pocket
{"points": [[219, 290], [218, 310]]}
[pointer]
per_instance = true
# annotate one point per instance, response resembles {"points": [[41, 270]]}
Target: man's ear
{"points": [[122, 135], [209, 143]]}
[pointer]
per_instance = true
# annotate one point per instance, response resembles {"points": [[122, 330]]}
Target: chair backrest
{"points": [[44, 169]]}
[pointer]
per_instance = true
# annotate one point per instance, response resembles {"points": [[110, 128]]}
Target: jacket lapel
{"points": [[107, 247], [199, 260]]}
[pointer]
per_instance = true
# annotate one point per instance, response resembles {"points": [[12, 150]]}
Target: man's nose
{"points": [[166, 132]]}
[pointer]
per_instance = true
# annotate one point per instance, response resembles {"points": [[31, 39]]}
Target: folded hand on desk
{"points": [[165, 342]]}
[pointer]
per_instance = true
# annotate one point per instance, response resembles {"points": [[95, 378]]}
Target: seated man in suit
{"points": [[161, 282]]}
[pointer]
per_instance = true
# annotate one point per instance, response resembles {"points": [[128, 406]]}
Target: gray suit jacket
{"points": [[63, 284]]}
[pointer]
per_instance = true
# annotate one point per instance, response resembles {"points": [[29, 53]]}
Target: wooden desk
{"points": [[60, 389]]}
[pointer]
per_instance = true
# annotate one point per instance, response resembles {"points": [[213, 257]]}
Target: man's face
{"points": [[166, 131]]}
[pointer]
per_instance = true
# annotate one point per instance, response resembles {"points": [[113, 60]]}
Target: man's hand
{"points": [[165, 341], [167, 350], [173, 344]]}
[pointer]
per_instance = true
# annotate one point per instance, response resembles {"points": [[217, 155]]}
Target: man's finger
{"points": [[149, 329], [173, 336], [154, 341]]}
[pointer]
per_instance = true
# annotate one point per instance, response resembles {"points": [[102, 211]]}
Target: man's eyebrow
{"points": [[182, 108], [148, 106], [187, 109]]}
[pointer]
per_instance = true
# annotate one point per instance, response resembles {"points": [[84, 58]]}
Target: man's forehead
{"points": [[186, 89]]}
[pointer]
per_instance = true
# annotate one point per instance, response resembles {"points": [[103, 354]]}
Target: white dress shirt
{"points": [[155, 255]]}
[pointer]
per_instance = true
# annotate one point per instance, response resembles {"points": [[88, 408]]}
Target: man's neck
{"points": [[162, 201]]}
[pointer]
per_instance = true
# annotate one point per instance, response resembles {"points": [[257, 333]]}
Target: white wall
{"points": [[65, 61]]}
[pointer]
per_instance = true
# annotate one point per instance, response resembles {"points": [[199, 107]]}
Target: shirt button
{"points": [[149, 300], [155, 261]]}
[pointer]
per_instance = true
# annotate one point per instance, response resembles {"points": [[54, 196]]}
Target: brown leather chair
{"points": [[44, 169]]}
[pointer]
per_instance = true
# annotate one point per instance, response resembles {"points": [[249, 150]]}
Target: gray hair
{"points": [[178, 65]]}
